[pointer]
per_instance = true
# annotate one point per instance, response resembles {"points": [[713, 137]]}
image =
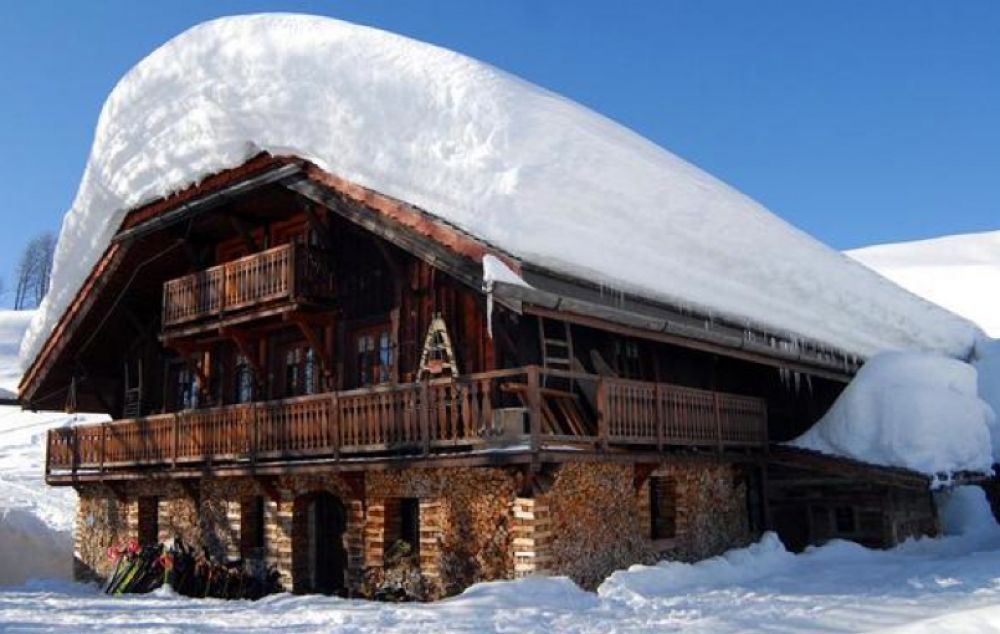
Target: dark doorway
{"points": [[320, 560]]}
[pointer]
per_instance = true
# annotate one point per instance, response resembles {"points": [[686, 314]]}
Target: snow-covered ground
{"points": [[960, 272]]}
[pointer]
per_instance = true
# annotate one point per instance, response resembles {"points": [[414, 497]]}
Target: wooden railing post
{"points": [[176, 440], [425, 416], [49, 436], [764, 440], [603, 420], [333, 422], [660, 415], [534, 408], [254, 435], [75, 461], [104, 444], [716, 400], [292, 265]]}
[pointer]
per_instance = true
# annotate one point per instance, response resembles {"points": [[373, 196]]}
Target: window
{"points": [[373, 356], [662, 507], [243, 385], [844, 520], [252, 527], [186, 388], [402, 524], [628, 359], [300, 371], [149, 520]]}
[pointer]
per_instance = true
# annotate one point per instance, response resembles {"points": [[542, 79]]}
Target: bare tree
{"points": [[33, 271]]}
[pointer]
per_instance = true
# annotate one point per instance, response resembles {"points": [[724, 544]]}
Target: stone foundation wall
{"points": [[711, 510], [583, 520]]}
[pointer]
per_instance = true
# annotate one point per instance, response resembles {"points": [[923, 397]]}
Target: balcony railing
{"points": [[286, 272], [519, 407]]}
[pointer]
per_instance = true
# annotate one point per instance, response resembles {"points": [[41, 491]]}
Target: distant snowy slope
{"points": [[960, 272], [13, 324], [531, 172]]}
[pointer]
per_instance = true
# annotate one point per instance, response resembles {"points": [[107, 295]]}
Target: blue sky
{"points": [[860, 122]]}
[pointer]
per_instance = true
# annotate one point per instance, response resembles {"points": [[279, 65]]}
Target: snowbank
{"points": [[914, 410], [13, 324], [533, 173], [987, 364], [31, 549], [961, 272], [965, 511], [36, 521]]}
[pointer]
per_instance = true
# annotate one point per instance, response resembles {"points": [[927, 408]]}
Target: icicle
{"points": [[798, 382], [489, 309]]}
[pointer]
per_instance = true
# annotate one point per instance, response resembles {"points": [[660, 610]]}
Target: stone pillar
{"points": [[279, 536], [532, 537], [374, 534], [431, 529]]}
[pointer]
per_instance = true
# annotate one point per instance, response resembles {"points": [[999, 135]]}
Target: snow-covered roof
{"points": [[531, 172]]}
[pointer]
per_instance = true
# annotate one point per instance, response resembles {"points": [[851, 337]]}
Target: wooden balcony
{"points": [[290, 272], [507, 410]]}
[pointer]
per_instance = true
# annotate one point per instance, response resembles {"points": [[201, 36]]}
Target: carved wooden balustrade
{"points": [[520, 408], [286, 272]]}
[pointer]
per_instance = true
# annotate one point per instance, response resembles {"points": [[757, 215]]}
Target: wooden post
{"points": [[425, 413], [104, 444], [718, 420], [660, 418], [764, 440], [254, 434], [602, 414], [76, 449], [176, 441], [333, 421], [765, 498], [49, 435], [534, 408], [292, 264]]}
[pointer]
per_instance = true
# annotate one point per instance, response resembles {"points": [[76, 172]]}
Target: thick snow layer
{"points": [[13, 323], [908, 409], [961, 273], [932, 585], [531, 172]]}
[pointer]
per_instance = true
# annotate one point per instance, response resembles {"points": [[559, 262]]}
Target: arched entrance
{"points": [[319, 558]]}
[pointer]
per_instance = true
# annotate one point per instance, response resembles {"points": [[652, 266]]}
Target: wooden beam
{"points": [[186, 350], [247, 348], [317, 225]]}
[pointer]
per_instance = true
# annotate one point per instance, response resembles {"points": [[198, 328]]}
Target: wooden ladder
{"points": [[132, 407], [557, 346]]}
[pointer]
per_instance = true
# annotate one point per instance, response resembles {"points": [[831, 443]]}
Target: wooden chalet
{"points": [[306, 372]]}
